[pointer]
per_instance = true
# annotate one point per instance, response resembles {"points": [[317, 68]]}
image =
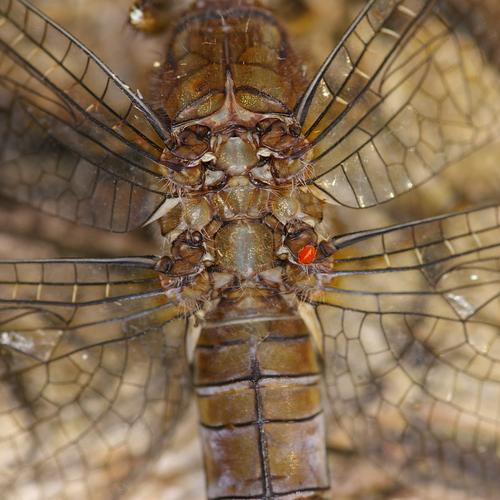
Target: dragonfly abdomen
{"points": [[261, 416]]}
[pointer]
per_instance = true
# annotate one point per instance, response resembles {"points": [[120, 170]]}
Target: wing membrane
{"points": [[444, 266], [90, 300], [412, 87], [92, 373], [411, 327], [77, 142]]}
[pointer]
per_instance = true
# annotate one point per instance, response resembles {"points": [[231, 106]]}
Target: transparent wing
{"points": [[410, 317], [76, 141], [92, 375], [412, 87]]}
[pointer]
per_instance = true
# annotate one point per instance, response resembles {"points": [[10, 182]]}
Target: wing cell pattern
{"points": [[411, 88], [411, 328], [92, 375], [76, 141]]}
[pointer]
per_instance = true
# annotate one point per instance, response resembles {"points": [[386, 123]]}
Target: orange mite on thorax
{"points": [[307, 254]]}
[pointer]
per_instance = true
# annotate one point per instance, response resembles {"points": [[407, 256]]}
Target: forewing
{"points": [[412, 87], [411, 325], [76, 141], [92, 375]]}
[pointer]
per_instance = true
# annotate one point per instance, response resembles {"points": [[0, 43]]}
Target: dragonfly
{"points": [[282, 326]]}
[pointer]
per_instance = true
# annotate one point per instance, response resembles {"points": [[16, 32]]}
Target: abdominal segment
{"points": [[261, 417]]}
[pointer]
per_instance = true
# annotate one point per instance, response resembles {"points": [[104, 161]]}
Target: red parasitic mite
{"points": [[307, 254]]}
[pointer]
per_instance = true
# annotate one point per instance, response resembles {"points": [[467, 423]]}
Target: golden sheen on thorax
{"points": [[243, 248], [236, 155]]}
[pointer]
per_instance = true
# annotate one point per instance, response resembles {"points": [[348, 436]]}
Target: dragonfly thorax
{"points": [[245, 248], [241, 237], [197, 159]]}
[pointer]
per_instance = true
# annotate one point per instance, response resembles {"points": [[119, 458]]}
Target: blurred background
{"points": [[315, 26]]}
